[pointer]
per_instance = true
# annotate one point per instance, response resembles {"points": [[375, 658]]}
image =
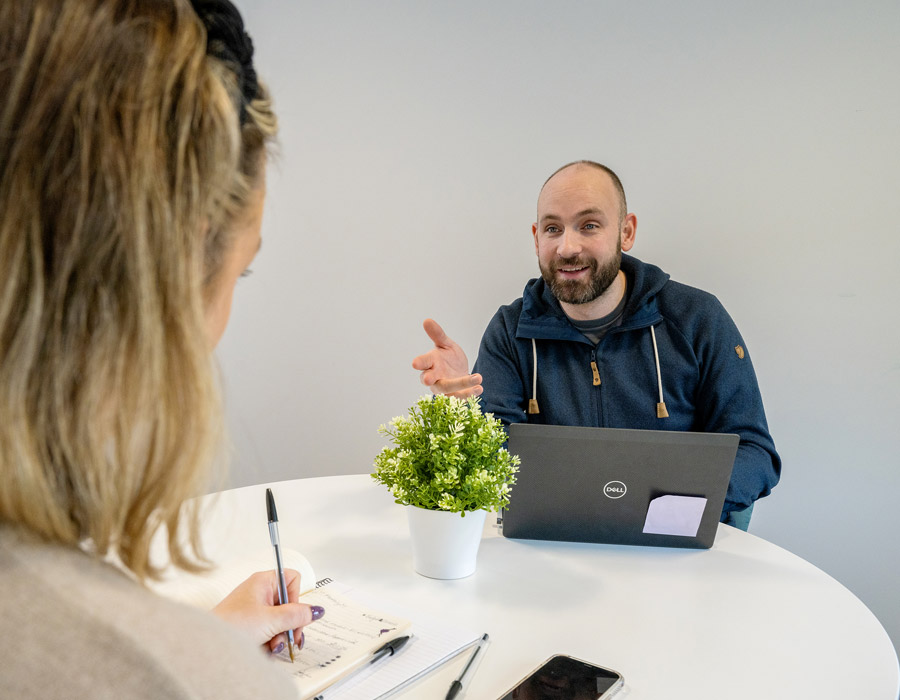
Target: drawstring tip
{"points": [[661, 411], [533, 407]]}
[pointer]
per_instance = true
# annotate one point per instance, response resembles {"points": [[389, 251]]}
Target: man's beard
{"points": [[578, 291]]}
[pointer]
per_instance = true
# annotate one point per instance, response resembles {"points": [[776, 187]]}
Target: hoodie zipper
{"points": [[594, 371], [595, 380]]}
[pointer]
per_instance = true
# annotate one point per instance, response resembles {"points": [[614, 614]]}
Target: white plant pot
{"points": [[445, 545]]}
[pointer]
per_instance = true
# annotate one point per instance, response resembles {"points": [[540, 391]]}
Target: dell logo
{"points": [[614, 489]]}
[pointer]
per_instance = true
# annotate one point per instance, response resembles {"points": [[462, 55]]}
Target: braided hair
{"points": [[229, 42]]}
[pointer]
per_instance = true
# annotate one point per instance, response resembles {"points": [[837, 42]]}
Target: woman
{"points": [[132, 157]]}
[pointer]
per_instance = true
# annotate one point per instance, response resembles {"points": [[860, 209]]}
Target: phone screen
{"points": [[565, 678]]}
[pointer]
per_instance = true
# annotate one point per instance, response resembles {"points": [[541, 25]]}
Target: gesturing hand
{"points": [[445, 368]]}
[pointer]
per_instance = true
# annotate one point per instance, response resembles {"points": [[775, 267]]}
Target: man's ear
{"points": [[534, 234], [629, 229]]}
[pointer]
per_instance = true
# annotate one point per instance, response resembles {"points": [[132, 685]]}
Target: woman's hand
{"points": [[253, 607]]}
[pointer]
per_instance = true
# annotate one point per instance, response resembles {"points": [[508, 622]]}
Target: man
{"points": [[603, 339]]}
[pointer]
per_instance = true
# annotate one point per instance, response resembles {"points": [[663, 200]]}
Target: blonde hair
{"points": [[123, 164]]}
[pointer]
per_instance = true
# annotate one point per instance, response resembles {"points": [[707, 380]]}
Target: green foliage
{"points": [[447, 455]]}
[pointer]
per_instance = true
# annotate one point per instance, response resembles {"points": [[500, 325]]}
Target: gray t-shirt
{"points": [[595, 329]]}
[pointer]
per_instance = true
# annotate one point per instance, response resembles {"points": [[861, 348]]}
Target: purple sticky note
{"points": [[674, 515]]}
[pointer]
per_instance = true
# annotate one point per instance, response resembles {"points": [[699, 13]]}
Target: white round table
{"points": [[743, 620]]}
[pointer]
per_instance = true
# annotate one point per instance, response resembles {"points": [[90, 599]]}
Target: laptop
{"points": [[608, 485]]}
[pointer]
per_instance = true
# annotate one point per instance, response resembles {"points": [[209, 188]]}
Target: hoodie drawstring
{"points": [[532, 402], [661, 411]]}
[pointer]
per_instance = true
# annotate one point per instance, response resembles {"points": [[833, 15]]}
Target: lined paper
{"points": [[433, 643]]}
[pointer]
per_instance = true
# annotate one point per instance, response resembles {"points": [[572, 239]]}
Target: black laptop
{"points": [[608, 485]]}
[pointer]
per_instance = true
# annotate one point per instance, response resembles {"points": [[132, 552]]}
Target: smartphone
{"points": [[567, 678]]}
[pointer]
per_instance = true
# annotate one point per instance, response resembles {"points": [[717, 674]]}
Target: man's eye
{"points": [[551, 229], [591, 227]]}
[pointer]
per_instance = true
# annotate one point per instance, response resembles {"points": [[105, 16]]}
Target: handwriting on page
{"points": [[343, 637]]}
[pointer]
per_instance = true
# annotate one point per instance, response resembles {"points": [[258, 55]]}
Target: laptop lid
{"points": [[609, 485]]}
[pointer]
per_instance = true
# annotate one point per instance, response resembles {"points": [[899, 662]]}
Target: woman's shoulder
{"points": [[78, 627]]}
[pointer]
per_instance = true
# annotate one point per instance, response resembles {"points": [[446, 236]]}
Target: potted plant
{"points": [[449, 466]]}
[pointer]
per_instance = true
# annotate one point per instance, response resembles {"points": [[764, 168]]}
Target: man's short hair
{"points": [[620, 190]]}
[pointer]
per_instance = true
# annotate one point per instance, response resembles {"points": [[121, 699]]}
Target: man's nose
{"points": [[569, 244]]}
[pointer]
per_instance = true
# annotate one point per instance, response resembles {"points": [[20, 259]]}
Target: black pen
{"points": [[279, 566], [380, 654], [457, 685]]}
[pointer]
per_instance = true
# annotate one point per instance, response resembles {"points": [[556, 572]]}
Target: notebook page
{"points": [[339, 642]]}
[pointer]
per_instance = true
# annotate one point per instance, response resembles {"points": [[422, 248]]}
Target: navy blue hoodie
{"points": [[708, 382]]}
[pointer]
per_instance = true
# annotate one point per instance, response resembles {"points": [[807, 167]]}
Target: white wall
{"points": [[759, 147]]}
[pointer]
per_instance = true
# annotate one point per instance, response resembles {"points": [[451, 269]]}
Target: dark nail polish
{"points": [[279, 648], [317, 611], [302, 641]]}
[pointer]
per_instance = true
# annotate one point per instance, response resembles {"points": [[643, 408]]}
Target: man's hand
{"points": [[445, 368]]}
